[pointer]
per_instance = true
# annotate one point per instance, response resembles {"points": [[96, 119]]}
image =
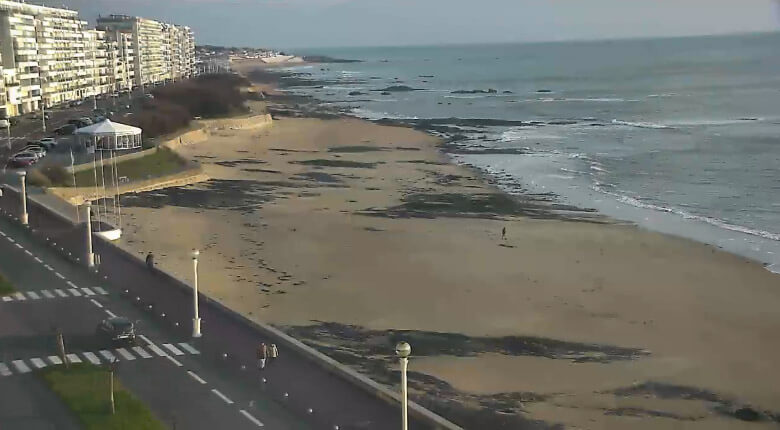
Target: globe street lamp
{"points": [[403, 350]]}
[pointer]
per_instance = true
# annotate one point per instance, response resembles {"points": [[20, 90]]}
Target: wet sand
{"points": [[344, 221]]}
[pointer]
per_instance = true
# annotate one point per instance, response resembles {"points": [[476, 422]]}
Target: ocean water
{"points": [[678, 135]]}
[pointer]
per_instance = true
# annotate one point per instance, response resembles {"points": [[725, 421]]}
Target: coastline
{"points": [[275, 218]]}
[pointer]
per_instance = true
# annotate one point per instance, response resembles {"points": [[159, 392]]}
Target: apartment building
{"points": [[48, 56], [161, 51]]}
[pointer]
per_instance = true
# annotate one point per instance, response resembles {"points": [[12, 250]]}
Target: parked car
{"points": [[23, 159], [86, 120], [66, 129], [38, 150], [48, 142], [75, 103], [116, 330]]}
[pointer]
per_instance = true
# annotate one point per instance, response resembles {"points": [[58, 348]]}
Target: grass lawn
{"points": [[5, 287], [85, 390], [160, 163]]}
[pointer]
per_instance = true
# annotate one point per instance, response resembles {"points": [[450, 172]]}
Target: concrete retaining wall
{"points": [[78, 196], [191, 137], [245, 123]]}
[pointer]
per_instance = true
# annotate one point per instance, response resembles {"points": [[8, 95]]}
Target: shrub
{"points": [[58, 175], [36, 178]]}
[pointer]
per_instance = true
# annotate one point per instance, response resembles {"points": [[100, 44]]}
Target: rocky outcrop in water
{"points": [[397, 89], [487, 91]]}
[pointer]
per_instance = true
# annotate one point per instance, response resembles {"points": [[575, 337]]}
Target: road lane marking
{"points": [[19, 246], [38, 260], [21, 366], [38, 363], [111, 314], [59, 275], [27, 251], [60, 292], [196, 377], [174, 361], [125, 354], [47, 294], [92, 358], [10, 239], [2, 233], [142, 352], [186, 346], [100, 290], [20, 296], [33, 295], [222, 396], [72, 285], [249, 416], [48, 267], [73, 358], [7, 299], [173, 349], [53, 359], [96, 303], [107, 354], [4, 370], [75, 292], [88, 292]]}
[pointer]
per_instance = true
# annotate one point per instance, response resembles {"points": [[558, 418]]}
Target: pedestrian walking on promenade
{"points": [[503, 233], [274, 352], [262, 355], [150, 261]]}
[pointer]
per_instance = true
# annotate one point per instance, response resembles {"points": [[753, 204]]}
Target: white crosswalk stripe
{"points": [[125, 354], [187, 347], [38, 363], [107, 354], [47, 294], [87, 291], [4, 370], [73, 358], [60, 293], [19, 296], [33, 295], [91, 357], [173, 349], [100, 290], [71, 284], [142, 352], [53, 359], [156, 349], [75, 292], [21, 366]]}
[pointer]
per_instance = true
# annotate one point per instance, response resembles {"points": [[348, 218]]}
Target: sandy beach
{"points": [[340, 230]]}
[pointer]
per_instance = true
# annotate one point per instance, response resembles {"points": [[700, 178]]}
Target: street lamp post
{"points": [[403, 350], [90, 254], [195, 317], [22, 175]]}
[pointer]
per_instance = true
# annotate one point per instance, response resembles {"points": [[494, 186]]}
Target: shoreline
{"points": [[756, 245], [283, 225]]}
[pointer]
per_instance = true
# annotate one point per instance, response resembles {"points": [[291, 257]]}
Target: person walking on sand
{"points": [[262, 355], [274, 352], [503, 233]]}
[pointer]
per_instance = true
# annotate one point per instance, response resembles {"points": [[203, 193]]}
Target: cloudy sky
{"points": [[320, 23]]}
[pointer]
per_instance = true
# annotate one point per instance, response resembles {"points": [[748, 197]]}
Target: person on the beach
{"points": [[503, 233], [262, 355], [150, 261], [274, 352]]}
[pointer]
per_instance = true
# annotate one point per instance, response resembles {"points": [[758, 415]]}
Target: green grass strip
{"points": [[85, 390], [6, 287]]}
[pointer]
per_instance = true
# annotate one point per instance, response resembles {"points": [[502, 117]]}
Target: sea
{"points": [[677, 135]]}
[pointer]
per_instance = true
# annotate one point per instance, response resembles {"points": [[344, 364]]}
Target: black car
{"points": [[116, 330], [66, 129]]}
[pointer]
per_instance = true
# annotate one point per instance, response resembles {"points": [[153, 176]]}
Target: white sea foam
{"points": [[374, 115], [640, 124], [687, 215], [527, 134]]}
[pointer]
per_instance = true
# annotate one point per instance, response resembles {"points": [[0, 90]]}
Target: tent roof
{"points": [[108, 128]]}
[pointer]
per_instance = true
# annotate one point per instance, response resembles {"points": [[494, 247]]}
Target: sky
{"points": [[289, 24]]}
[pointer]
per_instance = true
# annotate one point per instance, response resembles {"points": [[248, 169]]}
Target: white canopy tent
{"points": [[109, 136]]}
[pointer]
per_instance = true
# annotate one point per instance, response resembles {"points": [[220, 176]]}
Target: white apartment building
{"points": [[160, 51]]}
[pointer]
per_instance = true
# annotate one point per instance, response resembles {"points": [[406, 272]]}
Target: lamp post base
{"points": [[24, 219], [196, 327]]}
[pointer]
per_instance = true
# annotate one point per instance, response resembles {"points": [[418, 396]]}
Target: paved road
{"points": [[164, 370], [308, 386]]}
